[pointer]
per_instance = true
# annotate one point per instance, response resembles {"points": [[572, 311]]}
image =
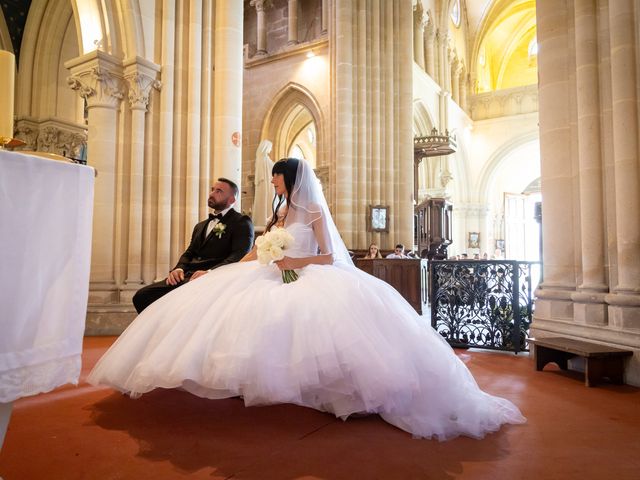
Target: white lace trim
{"points": [[34, 379]]}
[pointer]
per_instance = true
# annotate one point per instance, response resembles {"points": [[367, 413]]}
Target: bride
{"points": [[336, 339]]}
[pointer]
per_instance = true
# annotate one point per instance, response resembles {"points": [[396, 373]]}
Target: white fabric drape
{"points": [[45, 249]]}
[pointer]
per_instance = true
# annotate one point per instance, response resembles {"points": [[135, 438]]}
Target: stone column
{"points": [[624, 64], [462, 88], [455, 80], [325, 16], [261, 41], [372, 89], [140, 75], [227, 95], [418, 34], [589, 306], [438, 58], [97, 77], [429, 47], [165, 141], [193, 94], [554, 301], [292, 30]]}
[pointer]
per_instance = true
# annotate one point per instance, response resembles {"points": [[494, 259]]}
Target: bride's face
{"points": [[278, 183]]}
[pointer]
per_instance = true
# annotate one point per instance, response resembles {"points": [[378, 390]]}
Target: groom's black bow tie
{"points": [[215, 215]]}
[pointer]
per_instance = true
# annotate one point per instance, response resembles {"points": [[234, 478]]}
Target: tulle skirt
{"points": [[337, 340]]}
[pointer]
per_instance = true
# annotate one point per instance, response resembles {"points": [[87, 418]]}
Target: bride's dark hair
{"points": [[288, 167]]}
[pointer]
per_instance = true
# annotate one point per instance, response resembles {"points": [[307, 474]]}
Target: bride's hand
{"points": [[287, 263]]}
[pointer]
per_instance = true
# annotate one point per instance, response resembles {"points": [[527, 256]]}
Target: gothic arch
{"points": [[5, 37], [285, 102], [422, 119], [492, 166], [117, 23], [42, 43]]}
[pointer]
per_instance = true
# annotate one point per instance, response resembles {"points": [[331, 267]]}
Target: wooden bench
{"points": [[600, 361]]}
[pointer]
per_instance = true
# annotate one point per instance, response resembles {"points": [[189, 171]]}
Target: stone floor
{"points": [[84, 432]]}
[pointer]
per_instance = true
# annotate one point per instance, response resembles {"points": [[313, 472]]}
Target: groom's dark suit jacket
{"points": [[204, 254], [217, 250]]}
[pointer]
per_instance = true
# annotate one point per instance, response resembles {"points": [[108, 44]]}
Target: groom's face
{"points": [[221, 196]]}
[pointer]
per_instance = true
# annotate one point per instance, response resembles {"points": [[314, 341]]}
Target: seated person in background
{"points": [[485, 256], [374, 252], [398, 252], [476, 256], [463, 256]]}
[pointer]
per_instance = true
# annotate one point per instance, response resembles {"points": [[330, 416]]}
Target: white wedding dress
{"points": [[337, 340]]}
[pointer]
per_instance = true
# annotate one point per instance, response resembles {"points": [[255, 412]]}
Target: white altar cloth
{"points": [[46, 210]]}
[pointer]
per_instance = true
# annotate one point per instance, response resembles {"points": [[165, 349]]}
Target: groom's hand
{"points": [[197, 274], [175, 276]]}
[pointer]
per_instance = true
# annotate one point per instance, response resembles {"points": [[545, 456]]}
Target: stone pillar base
{"points": [[589, 308], [108, 319]]}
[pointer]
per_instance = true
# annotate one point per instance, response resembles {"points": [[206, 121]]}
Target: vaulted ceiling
{"points": [[15, 14]]}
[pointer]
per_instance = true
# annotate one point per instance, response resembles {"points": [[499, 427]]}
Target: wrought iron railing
{"points": [[484, 304]]}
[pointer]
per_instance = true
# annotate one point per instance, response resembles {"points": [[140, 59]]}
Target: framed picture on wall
{"points": [[474, 240], [500, 244], [378, 218]]}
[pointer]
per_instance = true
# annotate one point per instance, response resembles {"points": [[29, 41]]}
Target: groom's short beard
{"points": [[216, 206]]}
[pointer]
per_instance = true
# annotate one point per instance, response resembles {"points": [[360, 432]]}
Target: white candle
{"points": [[7, 89]]}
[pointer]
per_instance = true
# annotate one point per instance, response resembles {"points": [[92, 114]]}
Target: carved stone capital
{"points": [[260, 5], [140, 86], [98, 87], [429, 29], [419, 17], [97, 77], [141, 76]]}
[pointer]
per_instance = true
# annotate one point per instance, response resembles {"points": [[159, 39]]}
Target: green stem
{"points": [[289, 276]]}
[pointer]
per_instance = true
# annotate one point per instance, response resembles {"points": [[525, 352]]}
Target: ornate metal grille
{"points": [[484, 304]]}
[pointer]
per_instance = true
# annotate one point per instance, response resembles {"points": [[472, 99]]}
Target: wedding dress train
{"points": [[337, 340]]}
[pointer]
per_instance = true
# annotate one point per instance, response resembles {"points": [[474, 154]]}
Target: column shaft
{"points": [[261, 27], [555, 143], [418, 35], [165, 143], [194, 86], [430, 61], [325, 15], [136, 172], [292, 30], [589, 148], [227, 108], [462, 89], [101, 149], [625, 142]]}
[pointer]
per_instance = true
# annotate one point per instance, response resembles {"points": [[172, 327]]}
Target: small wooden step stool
{"points": [[600, 360]]}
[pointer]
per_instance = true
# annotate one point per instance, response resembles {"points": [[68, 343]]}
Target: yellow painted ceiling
{"points": [[502, 58]]}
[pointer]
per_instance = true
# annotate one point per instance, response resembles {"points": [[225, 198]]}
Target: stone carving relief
{"points": [[140, 86], [52, 137]]}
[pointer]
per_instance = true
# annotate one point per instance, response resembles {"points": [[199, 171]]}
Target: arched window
{"points": [[296, 152], [455, 13], [533, 48]]}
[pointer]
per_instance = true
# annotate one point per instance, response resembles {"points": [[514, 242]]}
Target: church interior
{"points": [[515, 121]]}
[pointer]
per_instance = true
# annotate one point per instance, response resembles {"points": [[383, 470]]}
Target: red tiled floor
{"points": [[92, 433]]}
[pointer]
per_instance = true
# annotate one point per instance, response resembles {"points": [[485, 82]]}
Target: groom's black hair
{"points": [[233, 185], [288, 167]]}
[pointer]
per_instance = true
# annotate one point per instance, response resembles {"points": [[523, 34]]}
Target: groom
{"points": [[225, 237]]}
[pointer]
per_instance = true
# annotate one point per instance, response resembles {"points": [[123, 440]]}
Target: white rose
{"points": [[276, 252]]}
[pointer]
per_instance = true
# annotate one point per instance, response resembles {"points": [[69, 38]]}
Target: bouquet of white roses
{"points": [[271, 247]]}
